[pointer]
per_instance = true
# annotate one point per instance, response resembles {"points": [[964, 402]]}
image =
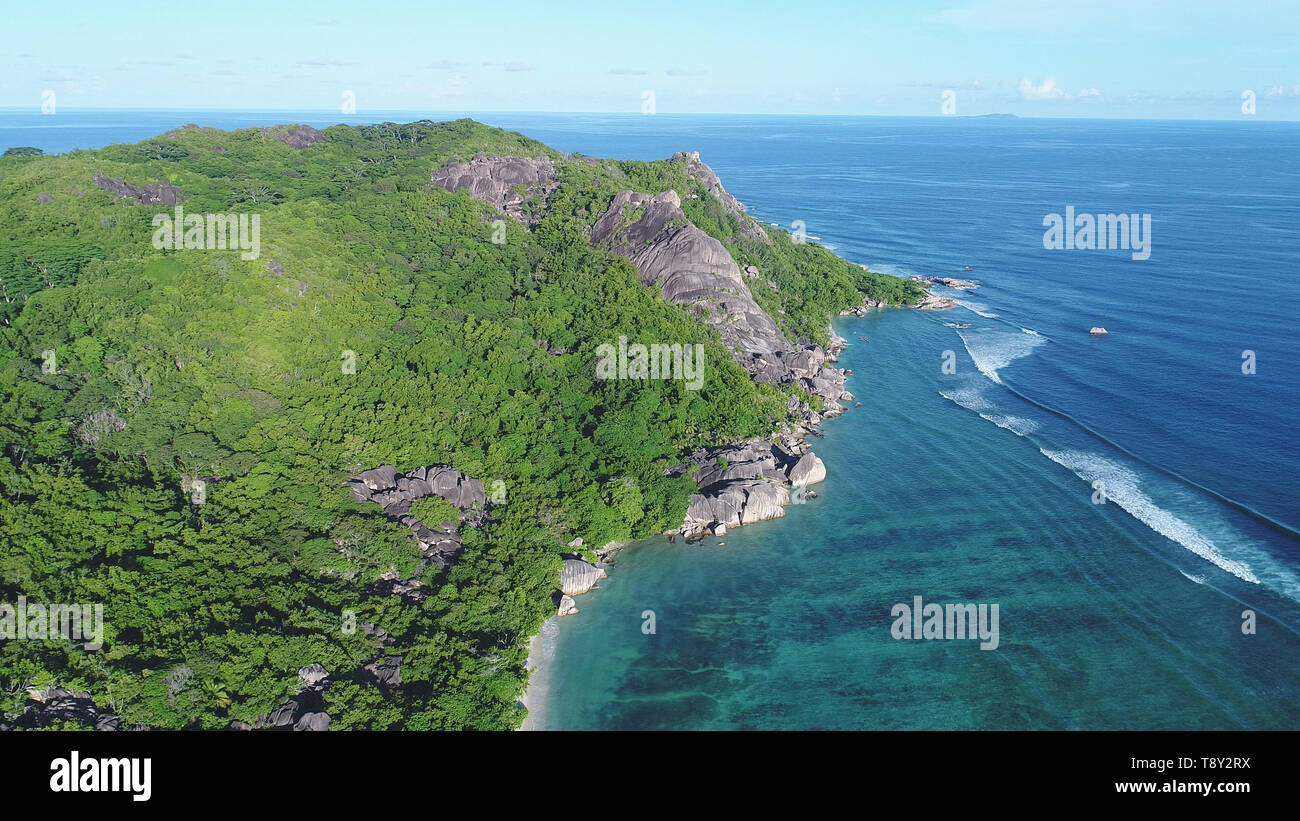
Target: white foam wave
{"points": [[976, 308], [969, 398], [1018, 425], [1031, 331], [1121, 487], [991, 351]]}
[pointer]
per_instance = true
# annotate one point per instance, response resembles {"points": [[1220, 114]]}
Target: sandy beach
{"points": [[541, 654]]}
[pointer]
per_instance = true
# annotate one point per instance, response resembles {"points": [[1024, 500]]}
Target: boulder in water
{"points": [[577, 577], [809, 470]]}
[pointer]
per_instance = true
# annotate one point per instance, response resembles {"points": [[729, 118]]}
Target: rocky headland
{"points": [[738, 483]]}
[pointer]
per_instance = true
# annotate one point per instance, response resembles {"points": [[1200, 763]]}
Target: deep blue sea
{"points": [[980, 485]]}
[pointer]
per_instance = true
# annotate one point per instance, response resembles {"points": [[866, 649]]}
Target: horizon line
{"points": [[632, 114]]}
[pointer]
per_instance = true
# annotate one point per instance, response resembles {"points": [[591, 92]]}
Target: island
{"points": [[335, 472]]}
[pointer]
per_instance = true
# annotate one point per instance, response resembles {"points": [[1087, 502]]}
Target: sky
{"points": [[1147, 59]]}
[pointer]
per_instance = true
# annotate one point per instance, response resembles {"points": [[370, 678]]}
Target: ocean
{"points": [[1129, 501]]}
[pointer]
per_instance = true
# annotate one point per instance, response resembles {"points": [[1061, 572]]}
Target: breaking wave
{"points": [[1121, 487], [991, 351], [976, 308], [971, 398]]}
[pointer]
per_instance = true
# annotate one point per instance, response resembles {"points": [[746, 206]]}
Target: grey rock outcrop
{"points": [[296, 137], [395, 492], [311, 675], [713, 185], [374, 631], [568, 607], [934, 302], [577, 577], [738, 503], [505, 183], [282, 716], [292, 715], [54, 706], [386, 672], [692, 268], [43, 199], [318, 722], [154, 193], [809, 470], [745, 483]]}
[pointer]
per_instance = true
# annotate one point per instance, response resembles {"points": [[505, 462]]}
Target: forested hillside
{"points": [[379, 324]]}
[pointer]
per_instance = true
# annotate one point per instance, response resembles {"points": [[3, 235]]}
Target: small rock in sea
{"points": [[1098, 331], [857, 404], [722, 544]]}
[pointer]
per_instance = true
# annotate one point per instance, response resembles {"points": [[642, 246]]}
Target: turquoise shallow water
{"points": [[788, 625]]}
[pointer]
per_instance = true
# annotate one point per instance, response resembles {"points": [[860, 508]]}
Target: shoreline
{"points": [[540, 658], [542, 645]]}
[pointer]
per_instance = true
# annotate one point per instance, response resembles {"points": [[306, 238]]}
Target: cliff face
{"points": [[696, 271], [697, 168], [692, 268]]}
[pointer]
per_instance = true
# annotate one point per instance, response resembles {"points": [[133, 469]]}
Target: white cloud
{"points": [[1048, 90], [1090, 94]]}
